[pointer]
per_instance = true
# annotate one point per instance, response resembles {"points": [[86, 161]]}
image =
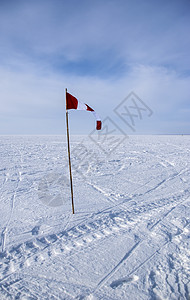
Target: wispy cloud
{"points": [[99, 50]]}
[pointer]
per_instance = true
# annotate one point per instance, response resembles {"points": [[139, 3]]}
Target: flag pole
{"points": [[69, 155]]}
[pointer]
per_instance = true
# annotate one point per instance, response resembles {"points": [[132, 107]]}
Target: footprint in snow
{"points": [[115, 284]]}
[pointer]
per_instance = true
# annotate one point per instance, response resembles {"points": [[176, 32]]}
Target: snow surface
{"points": [[129, 238]]}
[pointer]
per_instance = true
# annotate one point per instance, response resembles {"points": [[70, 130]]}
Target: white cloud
{"points": [[31, 94], [149, 40], [152, 33]]}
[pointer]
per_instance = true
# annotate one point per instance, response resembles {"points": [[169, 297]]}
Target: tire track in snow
{"points": [[69, 240], [66, 243], [71, 243], [21, 288]]}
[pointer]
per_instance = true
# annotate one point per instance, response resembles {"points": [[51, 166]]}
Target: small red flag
{"points": [[74, 103]]}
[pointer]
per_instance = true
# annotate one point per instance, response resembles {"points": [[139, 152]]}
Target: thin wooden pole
{"points": [[69, 156]]}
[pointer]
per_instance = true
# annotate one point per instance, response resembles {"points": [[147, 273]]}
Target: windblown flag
{"points": [[74, 103]]}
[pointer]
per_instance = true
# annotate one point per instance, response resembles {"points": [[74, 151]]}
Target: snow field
{"points": [[129, 238]]}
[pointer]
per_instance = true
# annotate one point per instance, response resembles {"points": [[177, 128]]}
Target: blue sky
{"points": [[100, 51]]}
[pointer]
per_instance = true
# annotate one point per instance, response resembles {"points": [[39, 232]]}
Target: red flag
{"points": [[74, 103]]}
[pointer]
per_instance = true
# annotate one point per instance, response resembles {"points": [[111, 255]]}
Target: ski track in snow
{"points": [[146, 223]]}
